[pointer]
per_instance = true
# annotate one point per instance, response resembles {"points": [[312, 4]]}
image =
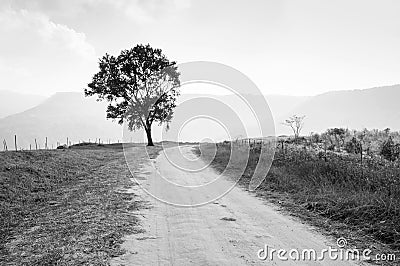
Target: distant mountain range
{"points": [[12, 102], [71, 115], [64, 115], [355, 109]]}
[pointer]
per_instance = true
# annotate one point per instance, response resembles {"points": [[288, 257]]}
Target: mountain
{"points": [[354, 109], [234, 111], [278, 104], [78, 118], [12, 102], [64, 115]]}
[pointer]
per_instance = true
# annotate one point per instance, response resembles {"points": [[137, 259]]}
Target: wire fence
{"points": [[45, 144]]}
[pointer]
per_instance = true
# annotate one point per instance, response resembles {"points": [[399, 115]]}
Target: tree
{"points": [[315, 137], [339, 136], [353, 146], [296, 123], [141, 86], [390, 151]]}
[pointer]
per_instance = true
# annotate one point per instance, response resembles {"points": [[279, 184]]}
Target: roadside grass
{"points": [[65, 207], [339, 195]]}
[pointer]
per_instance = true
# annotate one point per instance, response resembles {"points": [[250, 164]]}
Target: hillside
{"points": [[278, 104], [354, 109], [230, 110], [12, 102], [63, 115], [70, 114]]}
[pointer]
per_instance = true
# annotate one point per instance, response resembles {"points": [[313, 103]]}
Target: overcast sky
{"points": [[297, 47]]}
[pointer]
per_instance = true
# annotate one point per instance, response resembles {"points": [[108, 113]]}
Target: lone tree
{"points": [[141, 86], [296, 123]]}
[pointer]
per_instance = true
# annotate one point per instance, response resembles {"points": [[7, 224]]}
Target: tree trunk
{"points": [[148, 134]]}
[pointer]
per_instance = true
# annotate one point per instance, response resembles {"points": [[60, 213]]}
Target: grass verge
{"points": [[338, 195], [65, 207]]}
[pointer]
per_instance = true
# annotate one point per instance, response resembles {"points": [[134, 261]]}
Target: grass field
{"points": [[340, 196], [66, 207]]}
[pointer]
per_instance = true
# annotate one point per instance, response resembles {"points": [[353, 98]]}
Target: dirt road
{"points": [[227, 231]]}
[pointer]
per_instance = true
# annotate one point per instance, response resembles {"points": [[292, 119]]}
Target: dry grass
{"points": [[340, 196], [65, 207]]}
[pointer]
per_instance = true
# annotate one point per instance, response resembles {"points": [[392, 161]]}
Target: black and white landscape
{"points": [[190, 132]]}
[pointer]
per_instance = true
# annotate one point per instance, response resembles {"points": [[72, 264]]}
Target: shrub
{"points": [[389, 150]]}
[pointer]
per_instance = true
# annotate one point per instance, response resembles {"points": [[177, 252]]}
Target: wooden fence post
{"points": [[5, 145], [36, 144], [15, 142]]}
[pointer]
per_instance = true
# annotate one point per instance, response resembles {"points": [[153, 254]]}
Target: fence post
{"points": [[46, 144], [15, 142], [36, 144]]}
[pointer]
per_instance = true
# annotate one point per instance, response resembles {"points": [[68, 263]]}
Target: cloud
{"points": [[39, 54], [43, 43], [139, 11], [144, 11], [14, 25]]}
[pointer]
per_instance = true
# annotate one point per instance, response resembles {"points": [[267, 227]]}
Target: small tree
{"points": [[141, 86], [296, 123], [339, 136], [353, 146], [315, 138], [390, 151]]}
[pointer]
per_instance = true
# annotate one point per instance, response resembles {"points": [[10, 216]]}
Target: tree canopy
{"points": [[141, 86]]}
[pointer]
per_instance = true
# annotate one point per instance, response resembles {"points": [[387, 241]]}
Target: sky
{"points": [[298, 47]]}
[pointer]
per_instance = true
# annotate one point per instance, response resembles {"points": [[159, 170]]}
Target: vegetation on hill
{"points": [[380, 144]]}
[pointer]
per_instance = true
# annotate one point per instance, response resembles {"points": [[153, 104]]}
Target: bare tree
{"points": [[296, 123]]}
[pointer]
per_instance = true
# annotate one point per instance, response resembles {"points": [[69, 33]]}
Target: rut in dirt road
{"points": [[228, 231]]}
